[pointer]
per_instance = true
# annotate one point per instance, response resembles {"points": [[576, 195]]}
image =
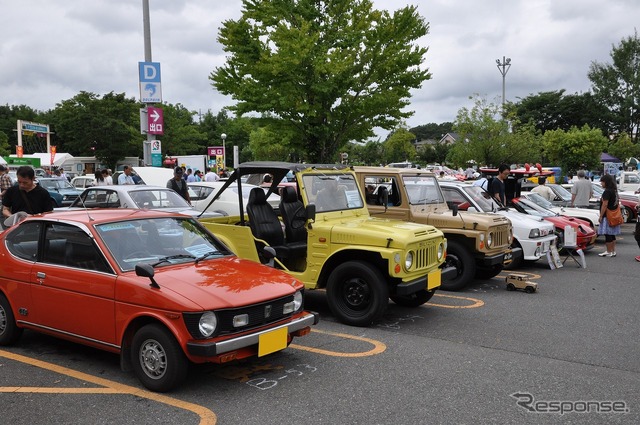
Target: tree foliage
{"points": [[574, 148], [326, 71], [399, 147], [432, 131], [617, 86]]}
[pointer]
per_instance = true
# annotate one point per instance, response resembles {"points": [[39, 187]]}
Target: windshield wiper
{"points": [[172, 257], [208, 254]]}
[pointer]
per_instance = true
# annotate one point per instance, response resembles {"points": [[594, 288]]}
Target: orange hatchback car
{"points": [[157, 288]]}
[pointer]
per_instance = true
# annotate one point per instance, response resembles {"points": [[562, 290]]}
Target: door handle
{"points": [[40, 277]]}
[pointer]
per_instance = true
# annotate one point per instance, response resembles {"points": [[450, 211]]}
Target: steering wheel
{"points": [[299, 218]]}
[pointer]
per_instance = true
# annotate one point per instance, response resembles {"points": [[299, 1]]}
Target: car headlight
{"points": [[408, 260], [441, 250], [510, 235], [207, 324], [294, 305], [489, 240], [534, 233]]}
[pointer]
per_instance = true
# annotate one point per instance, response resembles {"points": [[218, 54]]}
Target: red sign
{"points": [[215, 151], [155, 120], [53, 154]]}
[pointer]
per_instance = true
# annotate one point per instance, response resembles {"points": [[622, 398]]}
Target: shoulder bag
{"points": [[614, 216]]}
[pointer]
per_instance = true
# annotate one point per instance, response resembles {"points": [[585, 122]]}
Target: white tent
{"points": [[45, 158], [2, 161]]}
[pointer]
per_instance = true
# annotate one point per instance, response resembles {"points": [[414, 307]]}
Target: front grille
{"points": [[257, 317], [426, 255], [500, 236]]}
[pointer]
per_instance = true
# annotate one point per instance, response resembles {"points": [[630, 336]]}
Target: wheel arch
{"points": [[371, 257], [127, 337]]}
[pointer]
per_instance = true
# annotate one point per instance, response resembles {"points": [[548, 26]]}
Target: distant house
{"points": [[449, 138]]}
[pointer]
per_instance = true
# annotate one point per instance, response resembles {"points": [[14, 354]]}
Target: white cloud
{"points": [[52, 49]]}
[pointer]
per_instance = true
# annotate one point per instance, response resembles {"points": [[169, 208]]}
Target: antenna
{"points": [[84, 206]]}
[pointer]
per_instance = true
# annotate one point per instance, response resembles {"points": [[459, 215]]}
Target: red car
{"points": [[586, 235], [157, 288]]}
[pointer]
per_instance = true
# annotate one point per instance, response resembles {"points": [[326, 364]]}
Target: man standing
{"points": [[211, 176], [125, 177], [5, 180], [178, 184], [581, 191], [497, 184], [26, 196], [543, 190]]}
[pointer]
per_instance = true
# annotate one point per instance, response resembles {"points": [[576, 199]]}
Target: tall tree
{"points": [[329, 71], [574, 148], [617, 86], [107, 127], [398, 147]]}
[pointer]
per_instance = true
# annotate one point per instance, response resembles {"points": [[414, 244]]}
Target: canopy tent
{"points": [[45, 158], [605, 157], [2, 161]]}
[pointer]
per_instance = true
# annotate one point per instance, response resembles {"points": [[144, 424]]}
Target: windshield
{"points": [[528, 207], [482, 198], [55, 184], [332, 192], [158, 198], [563, 192], [422, 190], [539, 200], [158, 241]]}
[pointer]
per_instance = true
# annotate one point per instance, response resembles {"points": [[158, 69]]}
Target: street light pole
{"points": [[503, 67], [224, 151]]}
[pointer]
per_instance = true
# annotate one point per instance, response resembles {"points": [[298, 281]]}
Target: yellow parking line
{"points": [[207, 417], [475, 302], [378, 347]]}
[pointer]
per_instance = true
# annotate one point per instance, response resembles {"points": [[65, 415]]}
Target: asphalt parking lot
{"points": [[565, 354]]}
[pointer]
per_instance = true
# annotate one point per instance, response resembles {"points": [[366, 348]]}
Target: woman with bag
{"points": [[609, 212]]}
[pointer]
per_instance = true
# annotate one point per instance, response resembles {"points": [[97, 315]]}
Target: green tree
{"points": [[399, 147], [623, 148], [181, 134], [328, 71], [554, 110], [436, 153], [571, 149], [267, 145], [432, 131], [5, 148], [107, 127], [617, 86]]}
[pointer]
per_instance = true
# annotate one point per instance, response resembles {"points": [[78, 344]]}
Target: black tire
{"points": [[517, 262], [510, 287], [413, 300], [9, 331], [357, 293], [460, 258], [529, 290], [489, 273], [158, 360]]}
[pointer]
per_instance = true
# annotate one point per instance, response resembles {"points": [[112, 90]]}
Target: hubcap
{"points": [[356, 293], [153, 359], [3, 320]]}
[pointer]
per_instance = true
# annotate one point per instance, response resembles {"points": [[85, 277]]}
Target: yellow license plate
{"points": [[270, 342], [434, 280]]}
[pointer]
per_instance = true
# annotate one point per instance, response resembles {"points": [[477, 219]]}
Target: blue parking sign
{"points": [[150, 83]]}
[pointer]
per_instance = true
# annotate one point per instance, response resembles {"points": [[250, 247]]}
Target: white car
{"points": [[201, 194], [137, 197], [533, 234], [82, 182], [590, 215]]}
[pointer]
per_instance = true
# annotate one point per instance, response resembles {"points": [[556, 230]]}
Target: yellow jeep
{"points": [[323, 235]]}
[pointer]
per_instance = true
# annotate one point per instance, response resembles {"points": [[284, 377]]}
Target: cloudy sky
{"points": [[52, 49]]}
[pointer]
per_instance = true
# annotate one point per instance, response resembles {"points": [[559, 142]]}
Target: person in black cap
{"points": [[178, 184]]}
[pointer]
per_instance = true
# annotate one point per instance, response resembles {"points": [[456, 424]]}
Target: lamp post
{"points": [[503, 67], [224, 151]]}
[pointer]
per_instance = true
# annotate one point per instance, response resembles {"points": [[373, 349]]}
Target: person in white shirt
{"points": [[125, 177], [210, 176], [543, 190]]}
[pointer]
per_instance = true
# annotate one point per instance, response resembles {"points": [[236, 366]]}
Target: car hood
{"points": [[370, 228], [225, 283]]}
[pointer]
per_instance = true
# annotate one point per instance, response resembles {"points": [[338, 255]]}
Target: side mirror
{"points": [[310, 211], [146, 270], [453, 207]]}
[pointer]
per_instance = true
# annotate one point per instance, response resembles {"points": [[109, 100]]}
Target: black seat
{"points": [[264, 221], [293, 215]]}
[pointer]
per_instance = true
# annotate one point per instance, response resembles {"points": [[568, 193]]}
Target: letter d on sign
{"points": [[149, 72]]}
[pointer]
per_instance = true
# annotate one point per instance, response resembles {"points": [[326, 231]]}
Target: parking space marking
{"points": [[475, 303], [207, 417], [378, 346]]}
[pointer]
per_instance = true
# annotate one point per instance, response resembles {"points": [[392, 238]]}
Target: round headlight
{"points": [[489, 240], [297, 301], [510, 235], [441, 250], [408, 260], [208, 323]]}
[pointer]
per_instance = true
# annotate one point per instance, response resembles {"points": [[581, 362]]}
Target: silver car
{"points": [[137, 197]]}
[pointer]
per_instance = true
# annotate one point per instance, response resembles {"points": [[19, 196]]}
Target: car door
{"points": [[397, 206], [73, 286]]}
